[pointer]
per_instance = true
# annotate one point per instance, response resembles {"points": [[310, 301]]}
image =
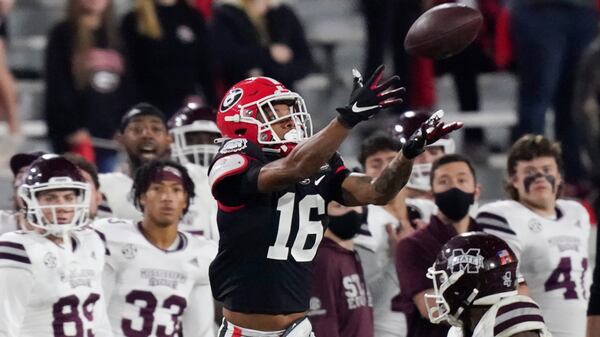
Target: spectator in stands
{"points": [[169, 52], [455, 189], [87, 88], [417, 74], [259, 38], [550, 37], [8, 95], [98, 205], [340, 304]]}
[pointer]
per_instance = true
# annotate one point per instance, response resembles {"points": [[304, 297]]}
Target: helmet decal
{"points": [[231, 99]]}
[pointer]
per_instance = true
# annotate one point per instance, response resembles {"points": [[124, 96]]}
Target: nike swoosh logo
{"points": [[318, 181], [357, 109]]}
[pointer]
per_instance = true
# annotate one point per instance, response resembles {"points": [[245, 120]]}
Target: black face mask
{"points": [[454, 203], [346, 226]]}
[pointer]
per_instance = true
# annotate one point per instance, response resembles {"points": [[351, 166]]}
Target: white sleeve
{"points": [[15, 289], [198, 318]]}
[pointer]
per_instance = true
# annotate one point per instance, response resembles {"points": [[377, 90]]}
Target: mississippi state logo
{"points": [[470, 261], [231, 99]]}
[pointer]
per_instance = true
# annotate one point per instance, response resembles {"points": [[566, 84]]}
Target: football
{"points": [[443, 31]]}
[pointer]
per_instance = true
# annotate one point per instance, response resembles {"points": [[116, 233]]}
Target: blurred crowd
{"points": [[179, 57]]}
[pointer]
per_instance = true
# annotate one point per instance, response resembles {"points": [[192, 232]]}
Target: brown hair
{"points": [[448, 159], [529, 147], [147, 19], [84, 165], [83, 37]]}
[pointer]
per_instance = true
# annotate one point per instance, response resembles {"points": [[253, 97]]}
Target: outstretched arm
{"points": [[359, 189], [306, 159]]}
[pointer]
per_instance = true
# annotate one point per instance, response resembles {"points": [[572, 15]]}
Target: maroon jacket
{"points": [[414, 255], [340, 304]]}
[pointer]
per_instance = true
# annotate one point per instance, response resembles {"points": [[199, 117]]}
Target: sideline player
{"points": [[50, 277], [194, 131], [156, 277], [549, 235], [272, 180], [143, 134], [475, 290]]}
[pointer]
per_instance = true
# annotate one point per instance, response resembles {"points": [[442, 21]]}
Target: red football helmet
{"points": [[194, 130], [52, 172], [473, 268], [247, 111], [407, 124]]}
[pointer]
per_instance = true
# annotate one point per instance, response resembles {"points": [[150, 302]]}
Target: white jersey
{"points": [[8, 222], [553, 258], [508, 317], [202, 214], [47, 291], [153, 292], [378, 264], [201, 218], [116, 187]]}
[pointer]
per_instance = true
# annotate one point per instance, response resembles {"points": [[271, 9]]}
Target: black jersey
{"points": [[267, 240]]}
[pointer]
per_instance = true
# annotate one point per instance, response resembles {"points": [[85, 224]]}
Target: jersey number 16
{"points": [[279, 250]]}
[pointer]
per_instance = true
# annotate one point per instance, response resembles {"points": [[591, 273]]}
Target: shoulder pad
{"points": [[12, 250], [493, 217], [517, 314], [225, 167]]}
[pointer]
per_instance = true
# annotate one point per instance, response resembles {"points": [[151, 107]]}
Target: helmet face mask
{"points": [[442, 311], [194, 131], [473, 268], [419, 177], [45, 216], [249, 111], [402, 129], [301, 121], [186, 149]]}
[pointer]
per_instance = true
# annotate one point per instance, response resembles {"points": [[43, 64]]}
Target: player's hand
{"points": [[367, 99], [430, 132]]}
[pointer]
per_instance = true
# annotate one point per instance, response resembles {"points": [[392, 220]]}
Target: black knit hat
{"points": [[141, 109]]}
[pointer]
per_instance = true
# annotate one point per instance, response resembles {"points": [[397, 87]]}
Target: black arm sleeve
{"points": [[331, 185]]}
